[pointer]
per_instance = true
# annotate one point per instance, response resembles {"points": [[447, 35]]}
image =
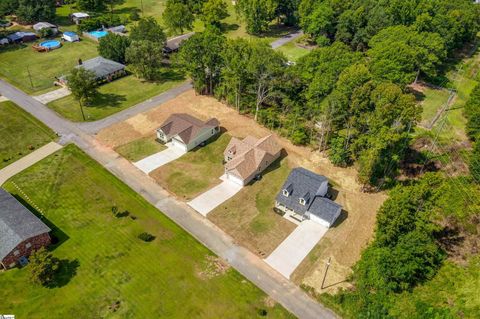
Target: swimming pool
{"points": [[98, 34], [51, 44]]}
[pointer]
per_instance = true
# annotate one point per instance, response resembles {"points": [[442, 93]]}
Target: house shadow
{"points": [[67, 270], [343, 216], [210, 140], [57, 235]]}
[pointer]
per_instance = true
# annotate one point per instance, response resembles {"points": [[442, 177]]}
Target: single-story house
{"points": [[19, 37], [173, 44], [304, 196], [244, 159], [38, 27], [186, 131], [21, 232], [70, 36], [104, 69], [77, 17]]}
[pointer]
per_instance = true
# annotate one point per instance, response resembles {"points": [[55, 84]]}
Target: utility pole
{"points": [[141, 4], [326, 270]]}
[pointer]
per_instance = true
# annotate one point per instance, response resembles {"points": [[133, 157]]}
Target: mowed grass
{"points": [[433, 101], [292, 51], [141, 148], [195, 172], [108, 265], [34, 72], [114, 97], [20, 133], [249, 217]]}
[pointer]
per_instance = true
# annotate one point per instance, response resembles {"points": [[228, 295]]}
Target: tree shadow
{"points": [[108, 99], [450, 238], [127, 10], [277, 31], [57, 235], [12, 47], [229, 27], [67, 270]]}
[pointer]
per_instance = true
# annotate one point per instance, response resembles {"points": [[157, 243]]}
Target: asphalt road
{"points": [[251, 266], [284, 40]]}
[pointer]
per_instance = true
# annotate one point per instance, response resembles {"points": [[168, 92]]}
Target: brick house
{"points": [[21, 232]]}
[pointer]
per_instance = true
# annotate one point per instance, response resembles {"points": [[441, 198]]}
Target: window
{"points": [[16, 253], [285, 193], [28, 245], [302, 201]]}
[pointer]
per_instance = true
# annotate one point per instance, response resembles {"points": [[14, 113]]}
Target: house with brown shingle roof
{"points": [[187, 132], [246, 158]]}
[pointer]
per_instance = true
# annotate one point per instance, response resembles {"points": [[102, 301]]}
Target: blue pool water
{"points": [[50, 44], [98, 34]]}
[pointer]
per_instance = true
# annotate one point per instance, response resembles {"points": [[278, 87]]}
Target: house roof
{"points": [[185, 126], [43, 25], [20, 35], [174, 43], [80, 15], [17, 224], [118, 28], [302, 183], [101, 66], [248, 154]]}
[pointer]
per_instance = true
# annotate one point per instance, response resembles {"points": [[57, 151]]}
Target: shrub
{"points": [[146, 237], [43, 267], [339, 154], [134, 16]]}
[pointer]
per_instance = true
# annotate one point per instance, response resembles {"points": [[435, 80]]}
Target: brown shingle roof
{"points": [[248, 154], [185, 126]]}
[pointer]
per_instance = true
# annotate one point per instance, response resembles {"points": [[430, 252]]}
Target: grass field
{"points": [[194, 172], [249, 217], [19, 63], [114, 97], [433, 101], [292, 51], [107, 272], [20, 133], [139, 149]]}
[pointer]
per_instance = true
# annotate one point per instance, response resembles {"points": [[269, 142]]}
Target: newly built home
{"points": [[187, 132], [304, 196], [21, 232], [244, 159]]}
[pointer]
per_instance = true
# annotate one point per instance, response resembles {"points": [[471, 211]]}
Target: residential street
{"points": [[252, 267], [284, 40]]}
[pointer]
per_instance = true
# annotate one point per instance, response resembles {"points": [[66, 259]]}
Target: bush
{"points": [[146, 237], [339, 155], [134, 16], [475, 162], [43, 267]]}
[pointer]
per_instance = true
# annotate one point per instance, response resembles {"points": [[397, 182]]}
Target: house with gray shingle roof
{"points": [[304, 196], [21, 232], [187, 132], [104, 69]]}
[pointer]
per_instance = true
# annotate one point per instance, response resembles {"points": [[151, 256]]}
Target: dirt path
{"points": [[342, 243]]}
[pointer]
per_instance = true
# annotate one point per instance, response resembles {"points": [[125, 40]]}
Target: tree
{"points": [[213, 12], [257, 14], [472, 113], [8, 7], [475, 162], [178, 17], [113, 3], [201, 58], [113, 46], [82, 84], [148, 29], [145, 58], [43, 267], [318, 22], [91, 5], [30, 11]]}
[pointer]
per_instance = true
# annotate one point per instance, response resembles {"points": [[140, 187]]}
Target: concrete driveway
{"points": [[290, 253], [154, 161], [207, 201]]}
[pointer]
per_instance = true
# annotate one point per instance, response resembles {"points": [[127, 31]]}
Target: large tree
{"points": [[113, 47], [213, 12], [148, 29], [145, 58], [257, 14], [91, 5], [83, 86], [30, 11], [178, 17]]}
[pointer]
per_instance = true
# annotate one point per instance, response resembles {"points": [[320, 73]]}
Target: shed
{"points": [[118, 29], [77, 17], [18, 37], [70, 36], [4, 41], [45, 25]]}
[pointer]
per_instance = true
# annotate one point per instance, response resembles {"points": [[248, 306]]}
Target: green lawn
{"points": [[114, 97], [139, 149], [194, 172], [19, 64], [107, 272], [433, 100], [20, 133], [292, 51]]}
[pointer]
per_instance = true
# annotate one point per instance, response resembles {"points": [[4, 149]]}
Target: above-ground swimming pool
{"points": [[98, 34], [51, 44]]}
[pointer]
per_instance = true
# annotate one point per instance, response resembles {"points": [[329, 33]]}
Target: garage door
{"points": [[179, 144], [235, 179]]}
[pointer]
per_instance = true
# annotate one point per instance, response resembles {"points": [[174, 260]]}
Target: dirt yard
{"points": [[343, 243]]}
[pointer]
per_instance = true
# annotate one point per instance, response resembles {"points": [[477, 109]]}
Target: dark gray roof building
{"points": [[17, 224], [303, 193], [102, 67]]}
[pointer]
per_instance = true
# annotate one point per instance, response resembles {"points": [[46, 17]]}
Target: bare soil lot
{"points": [[343, 243]]}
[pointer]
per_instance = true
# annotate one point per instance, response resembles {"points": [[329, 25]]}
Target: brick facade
{"points": [[36, 243]]}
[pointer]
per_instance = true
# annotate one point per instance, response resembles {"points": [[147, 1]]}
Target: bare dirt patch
{"points": [[342, 243], [213, 267]]}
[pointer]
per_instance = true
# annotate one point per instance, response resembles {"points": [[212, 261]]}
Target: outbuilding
{"points": [[70, 36], [39, 27], [4, 41], [21, 232], [77, 17], [19, 37]]}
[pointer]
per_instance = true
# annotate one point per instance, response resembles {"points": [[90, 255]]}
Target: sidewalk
{"points": [[27, 161]]}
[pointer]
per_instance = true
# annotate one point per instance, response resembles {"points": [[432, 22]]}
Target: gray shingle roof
{"points": [[17, 224], [302, 183], [102, 67], [42, 25]]}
